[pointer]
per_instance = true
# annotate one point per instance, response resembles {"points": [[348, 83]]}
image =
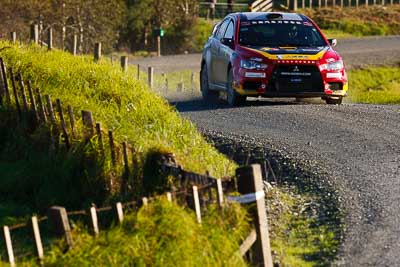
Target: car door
{"points": [[225, 53], [215, 50]]}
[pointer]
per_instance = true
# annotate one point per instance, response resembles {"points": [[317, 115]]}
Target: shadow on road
{"points": [[201, 105]]}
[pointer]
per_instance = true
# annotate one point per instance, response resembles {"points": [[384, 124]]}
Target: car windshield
{"points": [[282, 33]]}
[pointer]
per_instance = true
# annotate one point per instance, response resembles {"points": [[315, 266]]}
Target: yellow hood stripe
{"points": [[317, 56]]}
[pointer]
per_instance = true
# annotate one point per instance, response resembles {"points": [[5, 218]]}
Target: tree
{"points": [[93, 20], [176, 16]]}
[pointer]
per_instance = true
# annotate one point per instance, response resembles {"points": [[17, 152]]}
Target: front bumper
{"points": [[291, 80]]}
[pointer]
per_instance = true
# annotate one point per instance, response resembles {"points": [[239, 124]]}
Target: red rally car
{"points": [[271, 54]]}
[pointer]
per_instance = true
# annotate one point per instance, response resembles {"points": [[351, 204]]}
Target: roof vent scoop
{"points": [[274, 16]]}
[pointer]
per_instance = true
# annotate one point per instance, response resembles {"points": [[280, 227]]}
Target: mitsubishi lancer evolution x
{"points": [[271, 54]]}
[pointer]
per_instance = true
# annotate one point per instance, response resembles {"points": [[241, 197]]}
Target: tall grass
{"points": [[161, 234], [121, 103]]}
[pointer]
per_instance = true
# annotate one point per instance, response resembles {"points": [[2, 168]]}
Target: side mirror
{"points": [[332, 42], [228, 42]]}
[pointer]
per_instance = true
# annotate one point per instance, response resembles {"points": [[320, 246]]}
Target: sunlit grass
{"points": [[161, 234], [119, 102], [375, 85]]}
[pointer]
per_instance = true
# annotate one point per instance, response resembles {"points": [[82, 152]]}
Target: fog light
{"points": [[263, 86], [335, 86]]}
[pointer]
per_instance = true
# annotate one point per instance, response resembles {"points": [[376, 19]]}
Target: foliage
{"points": [[375, 85], [175, 16], [201, 32], [91, 20]]}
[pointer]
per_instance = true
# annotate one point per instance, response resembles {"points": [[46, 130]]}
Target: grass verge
{"points": [[375, 85]]}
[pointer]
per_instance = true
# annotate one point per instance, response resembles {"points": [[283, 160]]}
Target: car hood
{"points": [[283, 53]]}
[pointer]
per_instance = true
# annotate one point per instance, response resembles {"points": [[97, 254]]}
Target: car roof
{"points": [[245, 16]]}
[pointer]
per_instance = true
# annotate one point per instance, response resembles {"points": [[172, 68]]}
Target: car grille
{"points": [[296, 79]]}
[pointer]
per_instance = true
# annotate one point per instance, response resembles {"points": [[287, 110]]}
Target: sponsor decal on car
{"points": [[336, 75]]}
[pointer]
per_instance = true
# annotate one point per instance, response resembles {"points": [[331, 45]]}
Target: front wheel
{"points": [[334, 101], [233, 98]]}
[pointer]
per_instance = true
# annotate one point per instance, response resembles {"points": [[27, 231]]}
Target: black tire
{"points": [[334, 101], [233, 98], [205, 86]]}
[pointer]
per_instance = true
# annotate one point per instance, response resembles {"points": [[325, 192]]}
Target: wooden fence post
{"points": [[35, 33], [50, 38], [112, 147], [138, 71], [71, 119], [97, 51], [180, 87], [192, 81], [75, 44], [38, 239], [169, 196], [50, 110], [63, 123], [120, 212], [100, 138], [15, 93], [88, 123], [23, 94], [220, 193], [8, 241], [13, 37], [196, 203], [145, 201], [125, 156], [124, 63], [59, 218], [5, 81], [33, 102], [42, 112], [150, 73], [249, 180], [95, 223]]}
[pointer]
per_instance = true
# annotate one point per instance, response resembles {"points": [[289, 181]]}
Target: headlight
{"points": [[252, 65], [337, 65]]}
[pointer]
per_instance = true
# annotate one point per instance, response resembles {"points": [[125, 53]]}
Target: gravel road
{"points": [[355, 52], [358, 145]]}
